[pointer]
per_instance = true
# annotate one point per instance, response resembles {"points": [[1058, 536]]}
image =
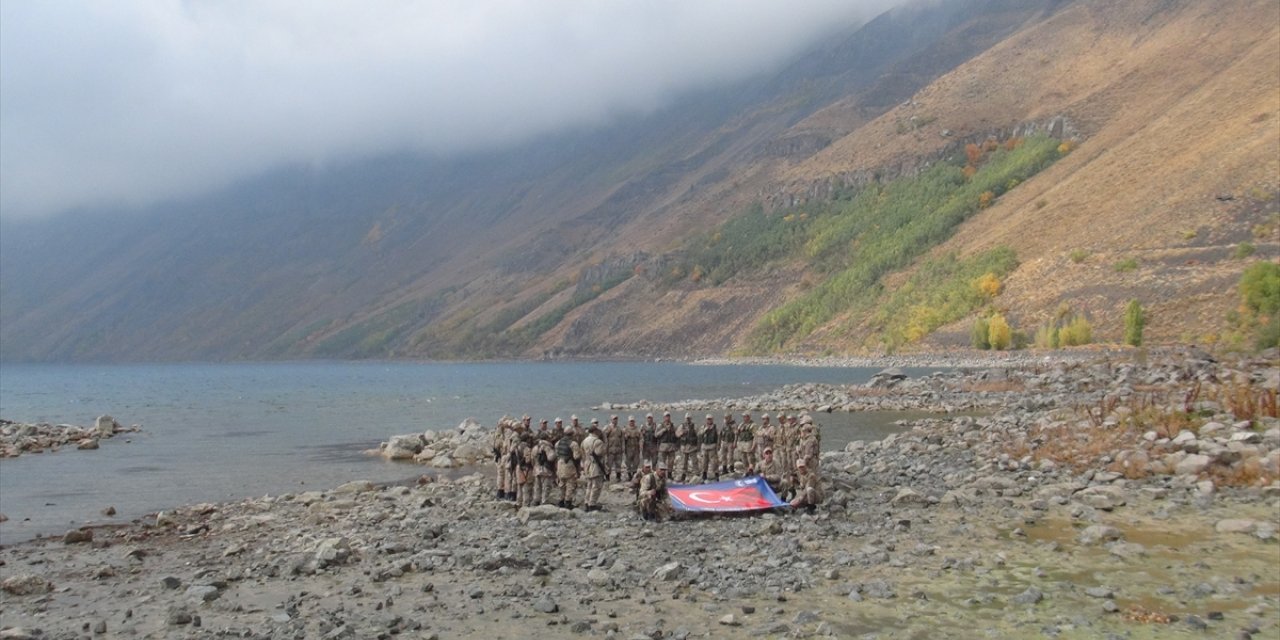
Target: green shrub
{"points": [[1134, 321], [1260, 288], [1243, 250], [1047, 336], [1079, 255], [884, 228], [1076, 332], [941, 291], [1126, 265], [980, 334]]}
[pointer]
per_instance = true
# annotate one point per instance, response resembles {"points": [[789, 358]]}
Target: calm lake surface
{"points": [[214, 432]]}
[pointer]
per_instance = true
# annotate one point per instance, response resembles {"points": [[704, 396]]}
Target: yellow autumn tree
{"points": [[988, 285], [999, 335]]}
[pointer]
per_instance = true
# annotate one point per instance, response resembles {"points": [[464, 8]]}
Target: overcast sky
{"points": [[126, 102]]}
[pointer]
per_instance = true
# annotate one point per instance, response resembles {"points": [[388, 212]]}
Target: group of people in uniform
{"points": [[546, 465]]}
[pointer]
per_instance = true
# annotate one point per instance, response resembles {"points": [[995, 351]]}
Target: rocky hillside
{"points": [[579, 244]]}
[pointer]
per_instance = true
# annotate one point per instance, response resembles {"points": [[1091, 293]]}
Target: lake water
{"points": [[214, 432]]}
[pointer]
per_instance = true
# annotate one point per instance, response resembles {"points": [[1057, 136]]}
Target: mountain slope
{"points": [[567, 245]]}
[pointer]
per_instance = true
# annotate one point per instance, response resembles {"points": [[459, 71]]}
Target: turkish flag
{"points": [[747, 494]]}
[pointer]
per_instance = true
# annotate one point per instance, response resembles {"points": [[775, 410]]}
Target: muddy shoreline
{"points": [[987, 526]]}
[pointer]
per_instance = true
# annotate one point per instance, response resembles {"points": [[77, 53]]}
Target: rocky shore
{"points": [[17, 438], [1107, 499]]}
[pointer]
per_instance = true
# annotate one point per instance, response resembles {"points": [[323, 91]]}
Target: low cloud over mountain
{"points": [[125, 103]]}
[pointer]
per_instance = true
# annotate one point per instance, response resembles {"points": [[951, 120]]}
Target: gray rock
{"points": [[26, 584], [355, 486], [1099, 592], [1193, 465], [170, 582], [1094, 534], [202, 592], [1031, 596], [668, 572], [545, 512], [544, 604], [1235, 526], [908, 497], [77, 536]]}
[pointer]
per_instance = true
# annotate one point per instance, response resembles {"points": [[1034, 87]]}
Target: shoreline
{"points": [[988, 523]]}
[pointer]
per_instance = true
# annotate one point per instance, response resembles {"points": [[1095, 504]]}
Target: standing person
{"points": [[766, 435], [544, 469], [557, 431], [543, 431], [666, 435], [649, 432], [785, 447], [614, 447], [810, 449], [746, 439], [807, 487], [631, 446], [727, 438], [501, 457], [687, 435], [709, 438], [651, 499], [525, 472], [593, 453], [568, 467], [575, 427]]}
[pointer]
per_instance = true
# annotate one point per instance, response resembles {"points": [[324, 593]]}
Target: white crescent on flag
{"points": [[697, 495]]}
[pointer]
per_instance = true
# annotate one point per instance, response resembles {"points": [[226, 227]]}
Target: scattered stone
{"points": [[26, 584], [78, 536], [1236, 526]]}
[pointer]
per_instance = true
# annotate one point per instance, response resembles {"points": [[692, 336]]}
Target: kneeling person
{"points": [[807, 487]]}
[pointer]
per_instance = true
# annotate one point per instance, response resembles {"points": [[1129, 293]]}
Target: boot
{"points": [[501, 494], [560, 504]]}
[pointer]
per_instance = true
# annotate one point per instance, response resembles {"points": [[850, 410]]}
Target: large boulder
{"points": [[106, 426], [26, 584], [403, 447]]}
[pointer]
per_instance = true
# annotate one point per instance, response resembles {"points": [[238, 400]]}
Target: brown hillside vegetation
{"points": [[1176, 106]]}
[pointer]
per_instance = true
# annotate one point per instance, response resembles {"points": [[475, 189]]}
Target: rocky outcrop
{"points": [[17, 438], [469, 443]]}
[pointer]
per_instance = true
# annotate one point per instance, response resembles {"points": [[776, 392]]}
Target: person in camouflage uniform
{"points": [[631, 438], [614, 447], [785, 447], [766, 435], [557, 430], [649, 435], [568, 468], [651, 499], [501, 458], [709, 439], [667, 444], [525, 472], [808, 488], [728, 434], [775, 472], [594, 470], [687, 437], [810, 448], [544, 469], [746, 439], [575, 427]]}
